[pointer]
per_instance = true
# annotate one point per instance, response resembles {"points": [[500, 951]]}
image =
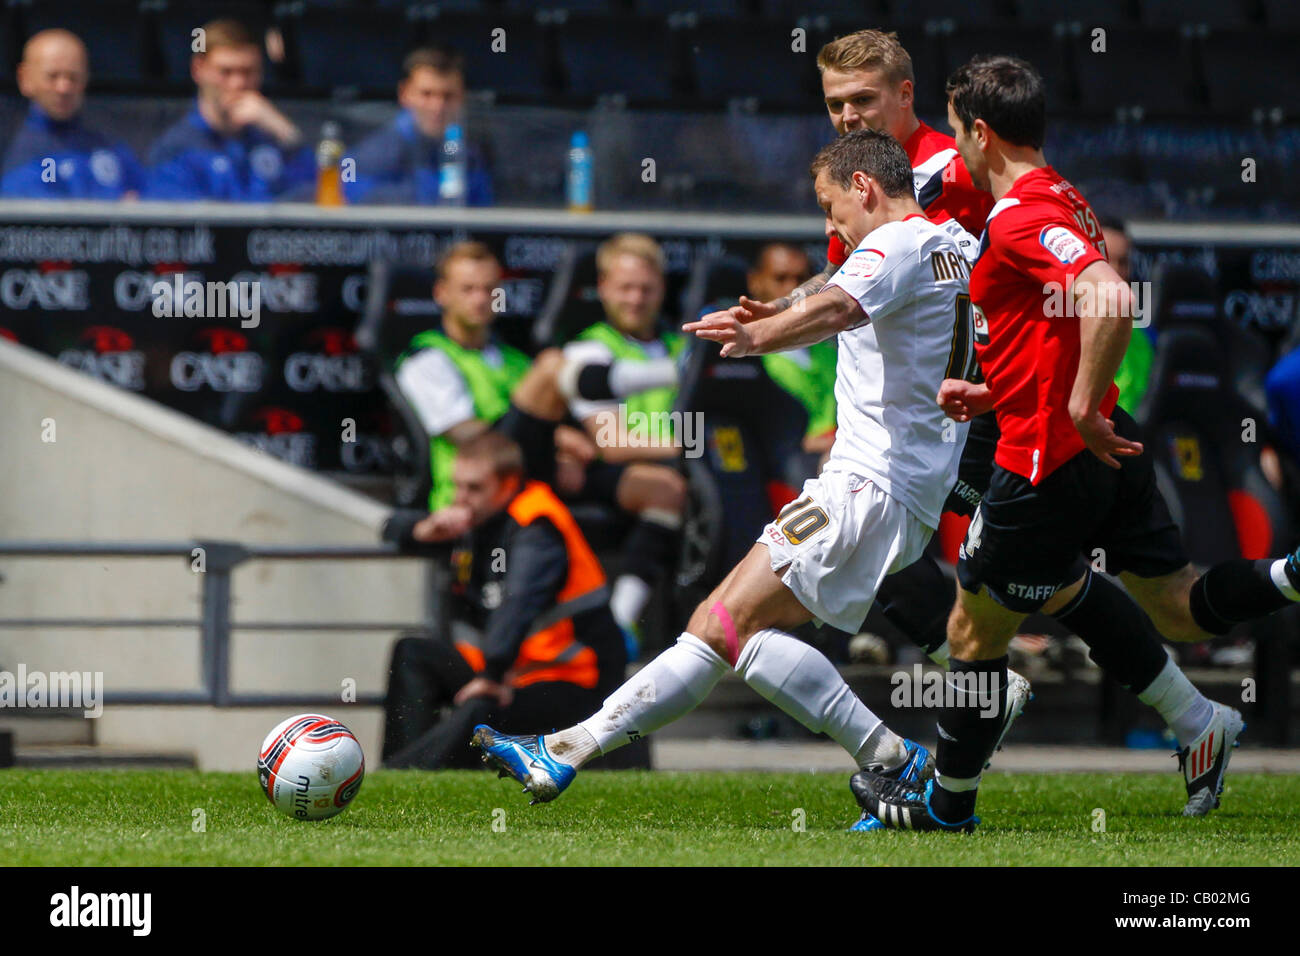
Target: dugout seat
{"points": [[397, 306], [1194, 416], [1196, 425], [571, 303]]}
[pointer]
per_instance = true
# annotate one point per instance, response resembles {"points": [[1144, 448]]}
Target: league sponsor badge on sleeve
{"points": [[863, 263], [1063, 244]]}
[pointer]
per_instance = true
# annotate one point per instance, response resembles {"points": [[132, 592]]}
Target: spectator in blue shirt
{"points": [[399, 163], [234, 144], [54, 155]]}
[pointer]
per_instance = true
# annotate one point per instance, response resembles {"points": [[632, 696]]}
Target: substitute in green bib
{"points": [[637, 439], [457, 377]]}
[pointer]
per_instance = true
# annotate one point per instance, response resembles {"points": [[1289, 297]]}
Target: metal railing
{"points": [[214, 622]]}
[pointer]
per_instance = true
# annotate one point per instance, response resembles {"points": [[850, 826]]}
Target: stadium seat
{"points": [[1138, 68], [9, 48], [732, 9], [569, 6], [627, 56], [114, 31], [1097, 12], [351, 48], [1282, 13], [872, 12], [1040, 45], [1247, 69], [1214, 13], [521, 72], [724, 55], [965, 12]]}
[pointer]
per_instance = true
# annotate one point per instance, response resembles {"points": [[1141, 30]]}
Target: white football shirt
{"points": [[911, 278]]}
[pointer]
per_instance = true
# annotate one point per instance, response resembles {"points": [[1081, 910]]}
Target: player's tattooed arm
{"points": [[809, 288], [813, 320], [1104, 306]]}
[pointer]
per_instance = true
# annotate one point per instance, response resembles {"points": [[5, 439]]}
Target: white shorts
{"points": [[840, 538]]}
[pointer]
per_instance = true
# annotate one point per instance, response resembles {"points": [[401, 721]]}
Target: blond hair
{"points": [[629, 244], [867, 50], [473, 251]]}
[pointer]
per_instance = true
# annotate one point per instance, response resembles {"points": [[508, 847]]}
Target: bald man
{"points": [[54, 155]]}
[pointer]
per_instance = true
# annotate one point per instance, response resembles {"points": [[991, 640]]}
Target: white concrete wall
{"points": [[123, 468]]}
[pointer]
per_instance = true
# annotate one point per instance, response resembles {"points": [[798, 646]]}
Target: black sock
{"points": [[910, 601], [1235, 591], [1121, 639], [968, 731], [649, 550]]}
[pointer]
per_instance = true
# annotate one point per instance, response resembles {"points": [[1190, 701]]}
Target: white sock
{"points": [[667, 688], [628, 599], [1277, 571], [802, 682], [1184, 708], [573, 746], [940, 654]]}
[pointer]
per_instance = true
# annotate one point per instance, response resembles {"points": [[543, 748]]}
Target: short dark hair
{"points": [[871, 151], [438, 59], [500, 451], [1006, 93]]}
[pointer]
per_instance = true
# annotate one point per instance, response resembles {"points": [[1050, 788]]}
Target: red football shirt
{"points": [[943, 187], [1040, 235]]}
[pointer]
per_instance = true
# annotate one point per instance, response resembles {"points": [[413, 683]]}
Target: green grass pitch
{"points": [[106, 818]]}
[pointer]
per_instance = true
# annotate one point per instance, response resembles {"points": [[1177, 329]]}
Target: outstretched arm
{"points": [[812, 320]]}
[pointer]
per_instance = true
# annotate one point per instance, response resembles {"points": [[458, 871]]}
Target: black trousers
{"points": [[424, 730]]}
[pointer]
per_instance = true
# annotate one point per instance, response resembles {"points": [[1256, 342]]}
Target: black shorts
{"points": [[1027, 541], [975, 470]]}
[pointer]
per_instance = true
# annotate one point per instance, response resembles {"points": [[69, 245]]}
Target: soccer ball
{"points": [[310, 767]]}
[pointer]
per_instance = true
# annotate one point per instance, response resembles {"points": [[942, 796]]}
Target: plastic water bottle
{"points": [[329, 154], [579, 179], [452, 174]]}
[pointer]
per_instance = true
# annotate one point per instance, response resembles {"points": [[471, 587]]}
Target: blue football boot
{"points": [[526, 759]]}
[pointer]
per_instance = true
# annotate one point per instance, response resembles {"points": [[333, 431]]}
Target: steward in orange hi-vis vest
{"points": [[549, 645], [528, 639]]}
